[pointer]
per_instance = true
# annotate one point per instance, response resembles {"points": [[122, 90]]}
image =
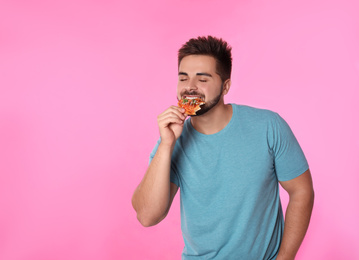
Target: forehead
{"points": [[197, 63]]}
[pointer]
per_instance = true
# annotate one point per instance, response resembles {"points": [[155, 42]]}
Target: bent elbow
{"points": [[147, 222], [147, 216]]}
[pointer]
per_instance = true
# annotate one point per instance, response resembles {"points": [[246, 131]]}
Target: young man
{"points": [[227, 161]]}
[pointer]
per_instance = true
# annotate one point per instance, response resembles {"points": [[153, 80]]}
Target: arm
{"points": [[297, 217], [153, 197]]}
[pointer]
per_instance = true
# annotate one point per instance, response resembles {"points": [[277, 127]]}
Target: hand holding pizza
{"points": [[170, 124]]}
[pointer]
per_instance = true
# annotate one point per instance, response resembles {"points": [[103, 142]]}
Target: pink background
{"points": [[78, 120]]}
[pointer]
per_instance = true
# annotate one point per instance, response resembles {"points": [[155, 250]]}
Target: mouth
{"points": [[193, 97], [191, 103]]}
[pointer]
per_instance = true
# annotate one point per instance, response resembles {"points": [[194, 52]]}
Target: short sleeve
{"points": [[289, 159], [173, 173]]}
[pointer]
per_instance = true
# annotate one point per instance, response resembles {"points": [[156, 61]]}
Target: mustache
{"points": [[189, 93]]}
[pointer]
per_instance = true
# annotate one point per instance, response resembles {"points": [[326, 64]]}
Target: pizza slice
{"points": [[191, 104]]}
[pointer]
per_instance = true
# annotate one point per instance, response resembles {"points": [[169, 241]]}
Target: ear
{"points": [[226, 86]]}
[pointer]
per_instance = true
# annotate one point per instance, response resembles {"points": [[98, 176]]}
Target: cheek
{"points": [[179, 90], [181, 86], [212, 92], [208, 90]]}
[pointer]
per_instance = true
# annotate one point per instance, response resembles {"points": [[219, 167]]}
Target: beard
{"points": [[208, 105]]}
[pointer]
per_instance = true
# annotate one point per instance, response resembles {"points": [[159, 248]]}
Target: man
{"points": [[227, 161]]}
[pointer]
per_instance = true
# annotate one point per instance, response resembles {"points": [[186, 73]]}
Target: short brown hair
{"points": [[210, 46]]}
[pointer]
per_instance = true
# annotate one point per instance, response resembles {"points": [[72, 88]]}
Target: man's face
{"points": [[197, 77]]}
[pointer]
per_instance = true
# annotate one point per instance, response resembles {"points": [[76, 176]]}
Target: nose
{"points": [[191, 85]]}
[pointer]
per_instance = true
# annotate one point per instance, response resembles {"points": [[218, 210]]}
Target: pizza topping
{"points": [[191, 104]]}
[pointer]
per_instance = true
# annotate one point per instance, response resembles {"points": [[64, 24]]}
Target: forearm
{"points": [[296, 224], [152, 196]]}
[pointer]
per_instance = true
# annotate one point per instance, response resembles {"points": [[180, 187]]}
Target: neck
{"points": [[214, 120]]}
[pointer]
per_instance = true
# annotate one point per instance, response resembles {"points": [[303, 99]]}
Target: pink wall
{"points": [[72, 150]]}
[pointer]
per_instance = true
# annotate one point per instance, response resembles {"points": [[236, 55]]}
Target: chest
{"points": [[233, 165]]}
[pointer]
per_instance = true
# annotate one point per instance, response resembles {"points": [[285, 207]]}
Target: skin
{"points": [[297, 217], [153, 197]]}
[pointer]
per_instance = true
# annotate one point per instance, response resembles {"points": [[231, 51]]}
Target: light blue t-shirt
{"points": [[229, 193]]}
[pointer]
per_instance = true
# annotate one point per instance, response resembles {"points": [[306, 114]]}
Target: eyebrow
{"points": [[197, 74]]}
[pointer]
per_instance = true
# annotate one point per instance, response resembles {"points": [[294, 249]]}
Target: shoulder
{"points": [[254, 114]]}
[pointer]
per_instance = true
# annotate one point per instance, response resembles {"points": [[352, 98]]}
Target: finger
{"points": [[166, 121], [172, 113], [181, 109], [176, 109], [170, 117]]}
